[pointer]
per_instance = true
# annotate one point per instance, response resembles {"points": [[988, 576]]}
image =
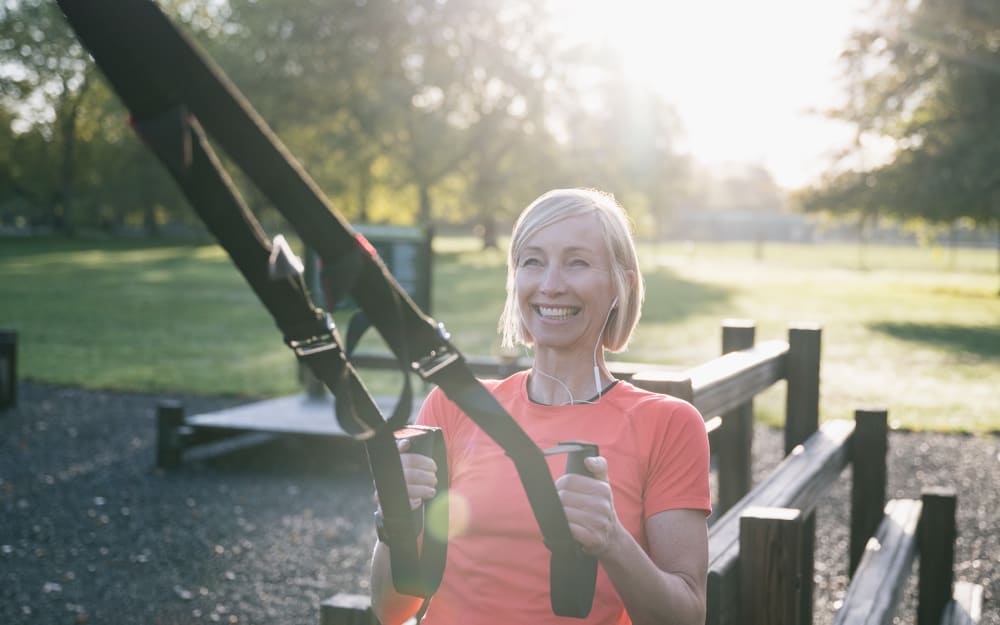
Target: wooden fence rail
{"points": [[762, 538]]}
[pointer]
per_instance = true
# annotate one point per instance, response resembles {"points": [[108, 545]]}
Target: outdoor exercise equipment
{"points": [[177, 97]]}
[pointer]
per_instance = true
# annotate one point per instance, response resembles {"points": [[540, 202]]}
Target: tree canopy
{"points": [[402, 110], [926, 76]]}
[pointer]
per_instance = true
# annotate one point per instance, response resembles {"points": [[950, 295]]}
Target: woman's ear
{"points": [[632, 277]]}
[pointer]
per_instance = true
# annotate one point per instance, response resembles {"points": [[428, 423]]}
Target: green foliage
{"points": [[925, 76], [413, 110], [909, 333]]}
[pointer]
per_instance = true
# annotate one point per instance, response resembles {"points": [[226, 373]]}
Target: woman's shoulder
{"points": [[438, 400], [627, 393], [647, 408]]}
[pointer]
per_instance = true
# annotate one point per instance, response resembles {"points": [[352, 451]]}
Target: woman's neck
{"points": [[559, 381]]}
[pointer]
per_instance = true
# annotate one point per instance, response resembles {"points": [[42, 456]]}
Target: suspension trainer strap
{"points": [[310, 334], [173, 91]]}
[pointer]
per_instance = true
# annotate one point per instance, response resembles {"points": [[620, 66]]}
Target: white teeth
{"points": [[552, 312]]}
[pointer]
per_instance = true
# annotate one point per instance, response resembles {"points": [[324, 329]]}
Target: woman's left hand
{"points": [[590, 507]]}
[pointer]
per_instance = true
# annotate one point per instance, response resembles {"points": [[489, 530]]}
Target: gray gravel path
{"points": [[91, 532]]}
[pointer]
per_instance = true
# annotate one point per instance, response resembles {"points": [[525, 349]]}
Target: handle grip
{"points": [[576, 452], [421, 439]]}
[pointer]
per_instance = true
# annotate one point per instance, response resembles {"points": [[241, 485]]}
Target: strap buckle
{"points": [[438, 359], [317, 343]]}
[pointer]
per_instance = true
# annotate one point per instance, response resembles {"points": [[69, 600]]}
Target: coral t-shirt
{"points": [[497, 569]]}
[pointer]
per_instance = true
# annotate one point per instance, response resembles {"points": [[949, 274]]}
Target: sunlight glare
{"points": [[747, 78]]}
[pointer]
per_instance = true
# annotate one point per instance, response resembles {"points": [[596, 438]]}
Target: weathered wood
{"points": [[8, 369], [723, 383], [802, 373], [875, 590], [735, 439], [937, 553], [728, 381], [869, 447], [966, 606], [674, 383], [798, 482], [801, 420], [169, 421], [771, 551]]}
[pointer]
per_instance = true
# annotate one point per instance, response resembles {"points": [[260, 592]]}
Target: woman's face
{"points": [[564, 285]]}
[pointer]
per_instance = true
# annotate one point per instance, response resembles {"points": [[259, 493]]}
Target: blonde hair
{"points": [[555, 206]]}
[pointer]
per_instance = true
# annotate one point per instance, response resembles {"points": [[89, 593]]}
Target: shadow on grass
{"points": [[41, 245], [671, 298], [980, 341]]}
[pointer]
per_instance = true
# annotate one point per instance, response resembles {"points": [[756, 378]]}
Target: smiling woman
{"points": [[638, 508], [748, 79]]}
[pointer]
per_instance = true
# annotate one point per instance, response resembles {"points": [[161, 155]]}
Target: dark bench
{"points": [[924, 527], [761, 549], [8, 369]]}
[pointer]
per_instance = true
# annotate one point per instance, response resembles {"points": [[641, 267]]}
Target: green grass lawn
{"points": [[916, 331]]}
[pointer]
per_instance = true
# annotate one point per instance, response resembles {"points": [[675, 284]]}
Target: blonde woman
{"points": [[574, 291]]}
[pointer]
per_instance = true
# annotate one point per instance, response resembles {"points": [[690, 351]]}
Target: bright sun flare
{"points": [[747, 78]]}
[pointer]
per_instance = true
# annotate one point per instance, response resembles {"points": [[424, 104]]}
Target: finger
{"points": [[598, 467], [416, 462], [583, 485], [403, 444]]}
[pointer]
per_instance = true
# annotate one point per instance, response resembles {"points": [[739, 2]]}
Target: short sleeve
{"points": [[678, 460], [430, 409]]}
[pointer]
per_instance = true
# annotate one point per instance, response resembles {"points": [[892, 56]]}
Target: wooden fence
{"points": [[761, 538]]}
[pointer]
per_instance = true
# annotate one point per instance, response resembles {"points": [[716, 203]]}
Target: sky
{"points": [[747, 78]]}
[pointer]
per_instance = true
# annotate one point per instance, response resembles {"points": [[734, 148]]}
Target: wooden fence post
{"points": [[869, 447], [936, 539], [771, 555], [801, 420], [169, 421], [8, 369], [735, 436], [802, 373]]}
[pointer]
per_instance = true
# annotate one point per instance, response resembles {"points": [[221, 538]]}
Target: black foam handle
{"points": [[575, 457], [421, 441]]}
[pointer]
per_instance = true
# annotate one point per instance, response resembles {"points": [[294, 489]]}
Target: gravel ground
{"points": [[92, 532]]}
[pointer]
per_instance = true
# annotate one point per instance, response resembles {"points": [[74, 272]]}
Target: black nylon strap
{"points": [[154, 68], [415, 569], [420, 571]]}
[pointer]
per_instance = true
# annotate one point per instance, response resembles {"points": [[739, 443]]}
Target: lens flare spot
{"points": [[448, 516]]}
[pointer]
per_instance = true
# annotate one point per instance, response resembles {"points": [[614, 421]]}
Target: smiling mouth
{"points": [[557, 312]]}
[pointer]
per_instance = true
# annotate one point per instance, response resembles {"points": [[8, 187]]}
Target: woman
{"points": [[574, 290]]}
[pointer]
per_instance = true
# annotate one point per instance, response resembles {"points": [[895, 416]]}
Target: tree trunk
{"points": [[862, 240], [424, 215], [952, 251], [149, 222], [364, 189], [65, 219], [489, 224]]}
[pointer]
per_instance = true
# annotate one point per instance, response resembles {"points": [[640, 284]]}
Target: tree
{"points": [[52, 80], [926, 76]]}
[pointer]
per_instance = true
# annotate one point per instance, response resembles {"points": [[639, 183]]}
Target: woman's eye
{"points": [[578, 262], [530, 262]]}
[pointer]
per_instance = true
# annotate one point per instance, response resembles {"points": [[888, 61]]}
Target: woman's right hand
{"points": [[419, 473]]}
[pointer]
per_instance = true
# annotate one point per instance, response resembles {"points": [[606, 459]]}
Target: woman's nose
{"points": [[552, 280]]}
